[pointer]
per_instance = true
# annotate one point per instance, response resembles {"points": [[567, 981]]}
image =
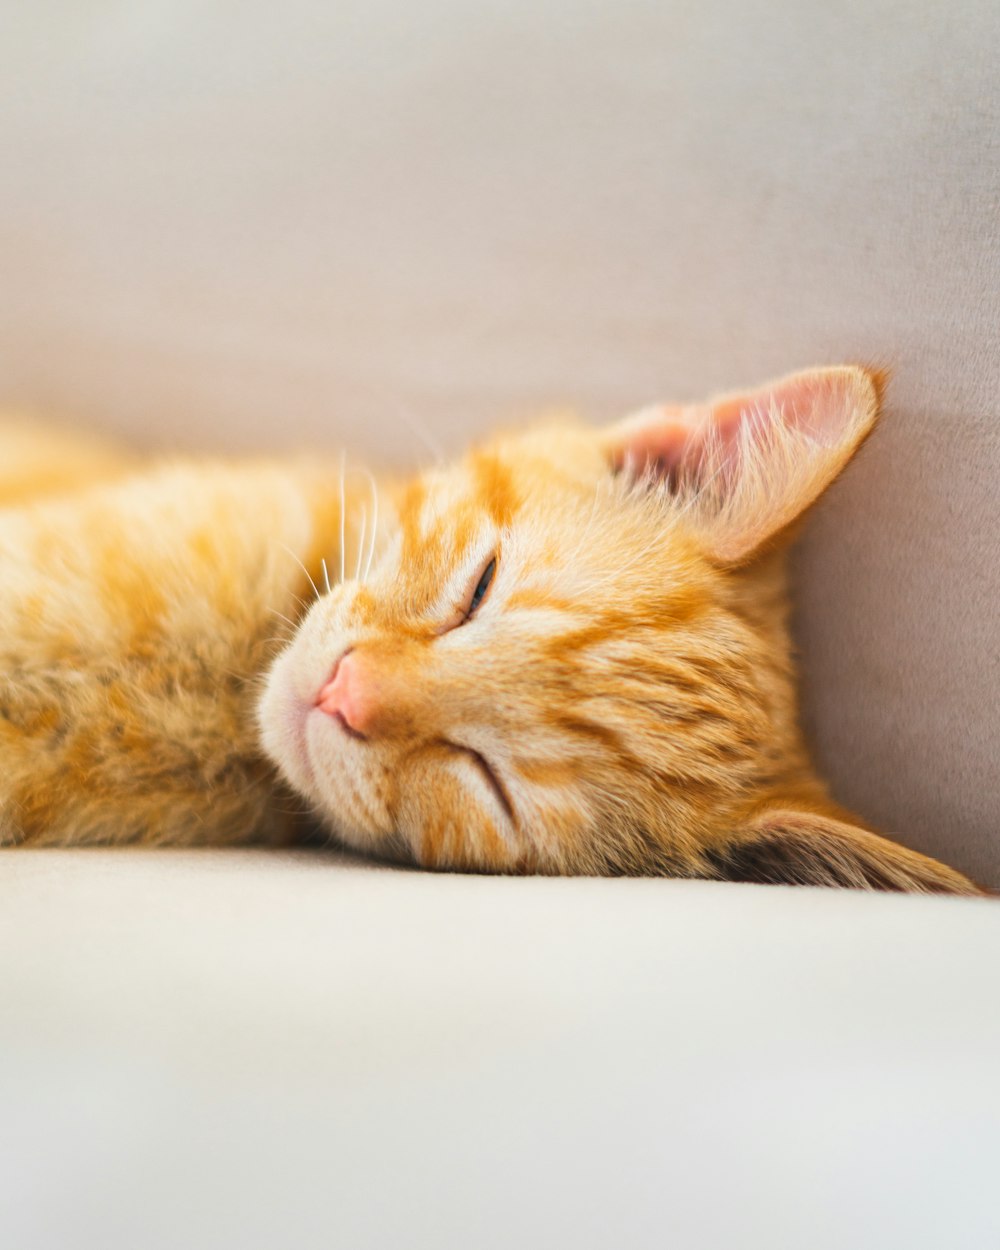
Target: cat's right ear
{"points": [[747, 464]]}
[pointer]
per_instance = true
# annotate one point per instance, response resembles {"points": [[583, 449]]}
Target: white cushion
{"points": [[249, 1050]]}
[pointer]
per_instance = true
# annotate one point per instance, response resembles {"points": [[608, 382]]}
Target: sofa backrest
{"points": [[248, 225]]}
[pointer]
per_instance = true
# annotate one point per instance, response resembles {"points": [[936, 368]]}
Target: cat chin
{"points": [[282, 717], [287, 716]]}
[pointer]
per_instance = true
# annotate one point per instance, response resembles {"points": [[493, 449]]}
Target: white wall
{"points": [[247, 224]]}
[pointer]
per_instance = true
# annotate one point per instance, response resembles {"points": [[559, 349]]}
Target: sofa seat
{"points": [[246, 1049]]}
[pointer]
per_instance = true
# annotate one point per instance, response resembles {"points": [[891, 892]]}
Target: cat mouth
{"points": [[340, 719]]}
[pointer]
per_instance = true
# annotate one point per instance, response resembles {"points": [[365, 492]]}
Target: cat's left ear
{"points": [[788, 846], [747, 464]]}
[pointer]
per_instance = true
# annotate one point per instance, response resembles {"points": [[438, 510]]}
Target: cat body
{"points": [[568, 652], [136, 618]]}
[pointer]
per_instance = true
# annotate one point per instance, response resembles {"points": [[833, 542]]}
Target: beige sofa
{"points": [[387, 225]]}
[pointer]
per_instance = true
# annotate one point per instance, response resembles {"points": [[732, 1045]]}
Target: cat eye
{"points": [[482, 586]]}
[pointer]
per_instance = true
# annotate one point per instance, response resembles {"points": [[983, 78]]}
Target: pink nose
{"points": [[345, 698]]}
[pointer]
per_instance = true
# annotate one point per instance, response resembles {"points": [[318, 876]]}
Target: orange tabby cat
{"points": [[565, 653]]}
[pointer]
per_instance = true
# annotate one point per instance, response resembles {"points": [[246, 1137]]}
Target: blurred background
{"points": [[244, 225]]}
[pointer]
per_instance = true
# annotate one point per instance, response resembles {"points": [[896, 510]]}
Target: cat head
{"points": [[569, 655]]}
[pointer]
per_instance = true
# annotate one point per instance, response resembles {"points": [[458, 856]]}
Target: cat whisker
{"points": [[343, 506], [374, 534], [286, 619], [278, 640], [361, 542], [416, 426], [326, 574], [302, 567]]}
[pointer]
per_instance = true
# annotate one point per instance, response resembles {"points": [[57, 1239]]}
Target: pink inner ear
{"points": [[661, 439], [816, 404], [750, 463], [670, 440]]}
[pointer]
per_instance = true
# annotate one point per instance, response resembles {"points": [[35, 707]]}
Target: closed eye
{"points": [[481, 589], [489, 775]]}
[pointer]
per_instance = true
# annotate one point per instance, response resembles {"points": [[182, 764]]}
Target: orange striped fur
{"points": [[622, 700]]}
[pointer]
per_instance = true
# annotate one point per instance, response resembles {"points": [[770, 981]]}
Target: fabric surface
{"points": [[241, 225], [248, 1050]]}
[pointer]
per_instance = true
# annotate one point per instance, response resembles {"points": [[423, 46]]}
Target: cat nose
{"points": [[346, 698]]}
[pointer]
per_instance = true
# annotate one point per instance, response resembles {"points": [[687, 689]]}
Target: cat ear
{"points": [[791, 847], [748, 464]]}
